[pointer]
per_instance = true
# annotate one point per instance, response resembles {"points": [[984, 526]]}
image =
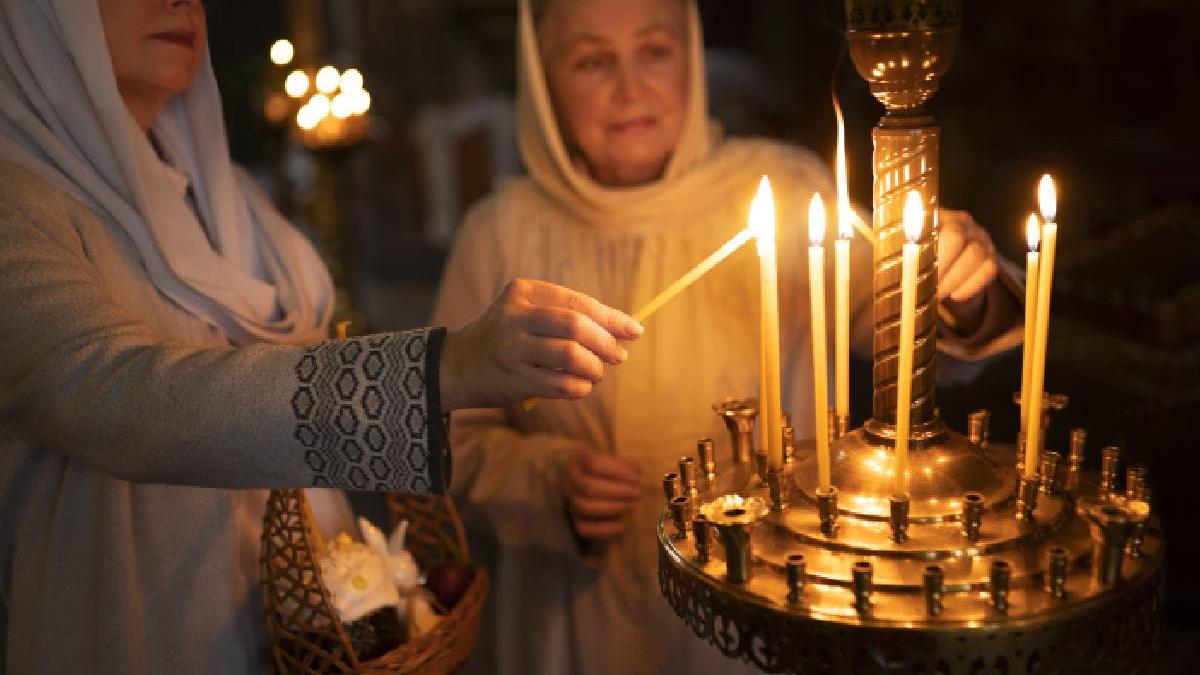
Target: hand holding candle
{"points": [[1047, 202], [914, 222], [816, 290]]}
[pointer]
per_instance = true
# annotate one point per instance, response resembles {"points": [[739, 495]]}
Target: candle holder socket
{"points": [[777, 489], [827, 510], [933, 580], [898, 517], [998, 584], [1049, 472], [979, 428], [700, 532], [708, 460], [862, 575], [1027, 498], [687, 476], [1075, 458], [1110, 464], [1057, 574], [739, 416], [670, 483], [795, 578], [972, 515], [680, 512]]}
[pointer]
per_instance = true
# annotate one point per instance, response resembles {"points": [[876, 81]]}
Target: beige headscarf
{"points": [[693, 168], [232, 260]]}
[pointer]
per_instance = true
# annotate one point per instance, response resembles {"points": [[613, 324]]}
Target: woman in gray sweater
{"points": [[160, 354]]}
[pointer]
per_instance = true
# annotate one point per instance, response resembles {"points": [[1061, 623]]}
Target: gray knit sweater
{"points": [[132, 437]]}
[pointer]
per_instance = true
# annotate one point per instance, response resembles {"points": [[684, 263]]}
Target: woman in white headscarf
{"points": [[160, 355], [630, 184]]}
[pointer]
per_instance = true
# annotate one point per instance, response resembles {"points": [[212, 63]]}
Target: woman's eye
{"points": [[658, 52], [592, 62]]}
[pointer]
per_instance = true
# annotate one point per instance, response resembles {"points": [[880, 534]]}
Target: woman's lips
{"points": [[182, 38], [636, 124]]}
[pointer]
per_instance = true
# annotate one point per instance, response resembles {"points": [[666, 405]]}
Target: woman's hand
{"points": [[536, 339], [600, 489], [966, 267]]}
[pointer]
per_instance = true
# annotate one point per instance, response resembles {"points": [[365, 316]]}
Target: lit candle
{"points": [[1033, 235], [914, 221], [1047, 203], [841, 280], [816, 291], [762, 222]]}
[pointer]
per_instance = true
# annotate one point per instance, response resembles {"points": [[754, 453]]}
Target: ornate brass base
{"points": [[878, 619]]}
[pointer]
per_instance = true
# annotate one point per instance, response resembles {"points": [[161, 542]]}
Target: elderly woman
{"points": [[159, 354], [629, 185]]}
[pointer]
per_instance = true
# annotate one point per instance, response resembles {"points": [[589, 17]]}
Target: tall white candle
{"points": [[1047, 203], [762, 221], [841, 278], [816, 292], [914, 221], [1033, 234]]}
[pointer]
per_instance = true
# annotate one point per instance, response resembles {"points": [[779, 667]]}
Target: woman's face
{"points": [[156, 47], [618, 73]]}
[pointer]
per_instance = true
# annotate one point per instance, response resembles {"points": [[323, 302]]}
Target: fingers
{"points": [[611, 467], [979, 279], [598, 529], [587, 485], [949, 246], [569, 325], [545, 383], [564, 356], [618, 324]]}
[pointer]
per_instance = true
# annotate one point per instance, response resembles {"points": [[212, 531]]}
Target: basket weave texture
{"points": [[307, 638]]}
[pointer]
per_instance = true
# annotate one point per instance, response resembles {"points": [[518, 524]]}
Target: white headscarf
{"points": [[252, 275], [700, 163]]}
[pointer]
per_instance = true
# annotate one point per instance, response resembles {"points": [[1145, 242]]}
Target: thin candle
{"points": [[1047, 203], [762, 222], [678, 286], [1033, 235], [816, 291], [841, 279], [692, 275], [914, 221]]}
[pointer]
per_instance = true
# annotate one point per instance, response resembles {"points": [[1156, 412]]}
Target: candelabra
{"points": [[981, 567]]}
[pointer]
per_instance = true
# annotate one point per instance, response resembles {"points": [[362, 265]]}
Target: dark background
{"points": [[1102, 93]]}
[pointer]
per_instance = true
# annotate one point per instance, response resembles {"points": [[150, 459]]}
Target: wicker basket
{"points": [[307, 637]]}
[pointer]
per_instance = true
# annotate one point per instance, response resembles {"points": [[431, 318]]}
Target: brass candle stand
{"points": [[979, 568]]}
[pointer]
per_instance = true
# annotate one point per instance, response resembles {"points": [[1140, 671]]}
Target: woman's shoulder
{"points": [[515, 201], [34, 204]]}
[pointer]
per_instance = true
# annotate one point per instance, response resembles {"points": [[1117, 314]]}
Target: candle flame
{"points": [[762, 217], [844, 214], [914, 216], [816, 219], [1033, 231], [1047, 200]]}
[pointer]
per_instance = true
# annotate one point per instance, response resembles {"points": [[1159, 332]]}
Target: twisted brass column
{"points": [[902, 47]]}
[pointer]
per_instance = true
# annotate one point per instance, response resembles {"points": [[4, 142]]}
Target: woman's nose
{"points": [[629, 84]]}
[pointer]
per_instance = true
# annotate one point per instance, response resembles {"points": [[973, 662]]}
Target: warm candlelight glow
{"points": [[351, 80], [816, 220], [841, 273], [816, 289], [762, 223], [762, 217], [282, 52], [1047, 199], [307, 117], [1033, 236], [342, 105], [914, 216], [845, 214], [319, 104], [296, 84], [327, 79], [1033, 231], [914, 221]]}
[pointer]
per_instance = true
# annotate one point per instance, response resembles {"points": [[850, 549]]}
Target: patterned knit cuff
{"points": [[368, 412]]}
